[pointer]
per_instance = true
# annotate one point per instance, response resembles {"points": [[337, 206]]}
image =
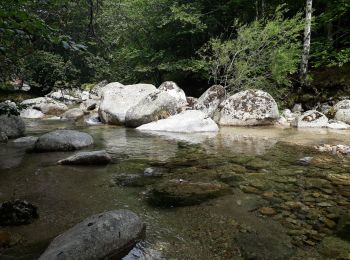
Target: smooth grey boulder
{"points": [[175, 91], [26, 141], [157, 105], [189, 121], [73, 114], [46, 105], [87, 158], [117, 99], [12, 126], [248, 108], [311, 119], [108, 235], [31, 113], [210, 100], [63, 140]]}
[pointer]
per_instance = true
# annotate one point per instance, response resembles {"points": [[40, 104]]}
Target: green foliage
{"points": [[263, 55], [45, 69]]}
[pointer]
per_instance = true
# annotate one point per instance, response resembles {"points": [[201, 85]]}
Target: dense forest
{"points": [[239, 44]]}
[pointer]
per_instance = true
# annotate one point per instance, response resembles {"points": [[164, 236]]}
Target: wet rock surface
{"points": [[108, 235], [87, 158], [63, 140], [184, 193], [13, 213]]}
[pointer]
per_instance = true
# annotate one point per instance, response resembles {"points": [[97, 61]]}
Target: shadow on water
{"points": [[275, 207]]}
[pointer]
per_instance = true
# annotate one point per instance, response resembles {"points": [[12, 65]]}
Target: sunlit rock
{"points": [[189, 121], [250, 107], [117, 99]]}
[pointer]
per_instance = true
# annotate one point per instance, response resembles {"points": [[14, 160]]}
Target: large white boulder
{"points": [[311, 119], [209, 102], [174, 90], [31, 113], [117, 99], [189, 121], [46, 105], [247, 108], [157, 105]]}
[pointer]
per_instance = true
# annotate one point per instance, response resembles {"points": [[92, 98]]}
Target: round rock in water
{"points": [[87, 158], [73, 114], [247, 108], [63, 140], [311, 119], [109, 235]]}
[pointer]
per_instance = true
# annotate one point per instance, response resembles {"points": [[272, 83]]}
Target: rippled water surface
{"points": [[259, 165]]}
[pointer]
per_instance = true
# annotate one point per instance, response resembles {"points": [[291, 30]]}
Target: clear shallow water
{"points": [[228, 227]]}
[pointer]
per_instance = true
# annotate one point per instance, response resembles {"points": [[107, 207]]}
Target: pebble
{"points": [[267, 211]]}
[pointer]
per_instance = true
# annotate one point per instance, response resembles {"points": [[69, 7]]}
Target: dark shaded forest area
{"points": [[239, 44]]}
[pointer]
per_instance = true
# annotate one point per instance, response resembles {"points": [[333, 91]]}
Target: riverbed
{"points": [[277, 208]]}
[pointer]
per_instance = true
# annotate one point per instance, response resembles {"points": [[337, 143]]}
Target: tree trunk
{"points": [[307, 42]]}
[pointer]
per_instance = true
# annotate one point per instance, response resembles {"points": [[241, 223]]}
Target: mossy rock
{"points": [[184, 193], [335, 248], [257, 164], [343, 227]]}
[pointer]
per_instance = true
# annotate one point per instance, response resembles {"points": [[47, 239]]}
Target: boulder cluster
{"points": [[167, 108]]}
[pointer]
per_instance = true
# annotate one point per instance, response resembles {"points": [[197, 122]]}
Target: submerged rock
{"points": [[31, 113], [117, 99], [184, 193], [46, 105], [63, 140], [189, 121], [108, 235], [175, 91], [87, 158], [73, 114], [157, 105], [250, 107], [311, 119], [335, 248], [209, 102], [18, 212]]}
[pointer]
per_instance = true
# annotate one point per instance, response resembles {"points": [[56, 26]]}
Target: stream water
{"points": [[275, 209]]}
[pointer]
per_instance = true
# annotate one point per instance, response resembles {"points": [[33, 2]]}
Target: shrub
{"points": [[263, 55]]}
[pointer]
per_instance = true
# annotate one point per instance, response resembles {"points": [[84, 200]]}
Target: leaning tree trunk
{"points": [[307, 41]]}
